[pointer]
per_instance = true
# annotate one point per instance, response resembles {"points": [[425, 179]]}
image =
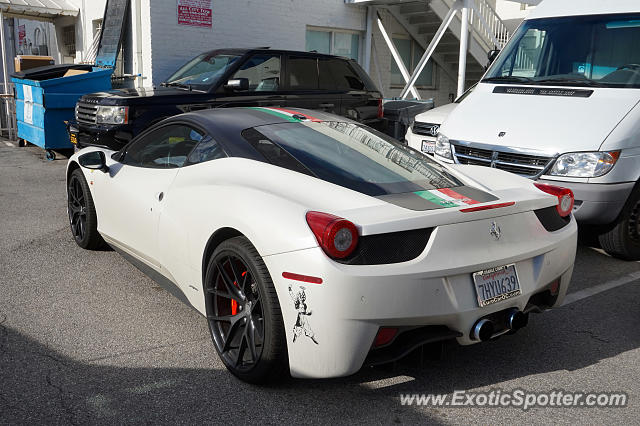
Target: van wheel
{"points": [[623, 241]]}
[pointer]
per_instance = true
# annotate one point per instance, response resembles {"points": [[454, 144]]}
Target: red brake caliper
{"points": [[234, 304]]}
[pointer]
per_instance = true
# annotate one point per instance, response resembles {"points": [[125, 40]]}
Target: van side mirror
{"points": [[94, 160], [492, 55], [237, 84]]}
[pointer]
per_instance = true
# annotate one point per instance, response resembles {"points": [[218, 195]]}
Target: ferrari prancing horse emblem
{"points": [[494, 230]]}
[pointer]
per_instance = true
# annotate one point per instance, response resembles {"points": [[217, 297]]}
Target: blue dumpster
{"points": [[45, 99]]}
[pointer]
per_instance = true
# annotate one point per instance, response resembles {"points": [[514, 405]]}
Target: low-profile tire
{"points": [[623, 240], [82, 213], [244, 314]]}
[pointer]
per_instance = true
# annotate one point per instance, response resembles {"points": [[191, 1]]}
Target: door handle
{"points": [[160, 196], [326, 105]]}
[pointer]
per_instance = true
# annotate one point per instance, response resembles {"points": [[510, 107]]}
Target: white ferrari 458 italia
{"points": [[314, 243]]}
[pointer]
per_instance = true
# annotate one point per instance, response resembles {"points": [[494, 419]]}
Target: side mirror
{"points": [[492, 55], [237, 84], [94, 160]]}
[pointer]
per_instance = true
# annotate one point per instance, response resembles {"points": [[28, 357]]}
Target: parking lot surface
{"points": [[87, 338]]}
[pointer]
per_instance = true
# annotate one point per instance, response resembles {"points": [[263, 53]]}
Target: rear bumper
{"points": [[597, 204], [335, 327]]}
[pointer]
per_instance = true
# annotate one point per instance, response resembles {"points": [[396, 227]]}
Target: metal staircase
{"points": [[487, 31], [422, 19]]}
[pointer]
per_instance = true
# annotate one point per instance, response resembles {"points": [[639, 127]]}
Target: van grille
{"points": [[520, 164], [86, 113], [425, 129]]}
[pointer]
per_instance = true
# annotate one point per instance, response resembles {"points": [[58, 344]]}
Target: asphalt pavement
{"points": [[87, 338]]}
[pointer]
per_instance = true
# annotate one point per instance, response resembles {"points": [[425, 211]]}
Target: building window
{"points": [[69, 40], [411, 52], [333, 42]]}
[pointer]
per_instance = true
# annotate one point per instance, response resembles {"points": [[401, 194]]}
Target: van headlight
{"points": [[112, 115], [443, 147], [584, 164]]}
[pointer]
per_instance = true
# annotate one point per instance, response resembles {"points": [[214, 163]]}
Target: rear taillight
{"points": [[380, 108], [337, 236], [565, 197]]}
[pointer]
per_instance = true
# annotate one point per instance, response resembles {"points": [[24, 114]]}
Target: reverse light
{"points": [[385, 336], [336, 236], [565, 197]]}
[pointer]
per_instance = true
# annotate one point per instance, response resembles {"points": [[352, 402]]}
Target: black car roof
{"points": [[226, 124], [242, 51]]}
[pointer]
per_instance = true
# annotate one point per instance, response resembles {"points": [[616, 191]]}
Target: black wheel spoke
{"points": [[259, 328], [251, 341], [233, 331], [236, 280], [228, 282], [225, 318], [240, 353], [224, 294]]}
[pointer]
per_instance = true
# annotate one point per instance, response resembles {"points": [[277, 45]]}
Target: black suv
{"points": [[231, 78]]}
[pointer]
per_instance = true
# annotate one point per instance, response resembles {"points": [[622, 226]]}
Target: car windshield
{"points": [[203, 70], [350, 155], [593, 51]]}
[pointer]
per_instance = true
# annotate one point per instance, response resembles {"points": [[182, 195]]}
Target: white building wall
{"points": [[163, 45], [243, 23]]}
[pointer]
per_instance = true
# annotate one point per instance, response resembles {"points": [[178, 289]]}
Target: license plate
{"points": [[496, 284], [428, 147], [73, 138]]}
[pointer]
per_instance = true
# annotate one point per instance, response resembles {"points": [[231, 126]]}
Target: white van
{"points": [[560, 105]]}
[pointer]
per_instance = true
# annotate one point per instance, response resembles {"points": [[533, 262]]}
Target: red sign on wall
{"points": [[197, 13]]}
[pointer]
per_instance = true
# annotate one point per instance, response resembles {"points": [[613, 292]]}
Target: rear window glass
{"points": [[337, 74], [303, 73], [355, 157]]}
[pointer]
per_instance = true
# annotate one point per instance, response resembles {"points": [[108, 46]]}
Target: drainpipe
{"points": [[139, 44], [367, 40], [464, 47], [5, 76]]}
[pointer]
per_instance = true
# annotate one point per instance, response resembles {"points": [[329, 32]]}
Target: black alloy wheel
{"points": [[243, 312], [82, 213], [77, 208]]}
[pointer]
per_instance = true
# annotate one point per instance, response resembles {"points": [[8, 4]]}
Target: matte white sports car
{"points": [[315, 243]]}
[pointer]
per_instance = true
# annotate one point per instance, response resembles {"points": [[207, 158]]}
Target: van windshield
{"points": [[597, 50], [203, 70]]}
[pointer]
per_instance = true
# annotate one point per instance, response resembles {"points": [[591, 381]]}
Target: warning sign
{"points": [[197, 13]]}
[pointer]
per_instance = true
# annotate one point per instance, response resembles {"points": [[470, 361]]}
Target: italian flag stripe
{"points": [[287, 114], [288, 117], [445, 197], [287, 111], [454, 194]]}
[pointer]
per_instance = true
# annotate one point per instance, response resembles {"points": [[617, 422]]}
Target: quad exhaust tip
{"points": [[517, 319], [483, 330]]}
